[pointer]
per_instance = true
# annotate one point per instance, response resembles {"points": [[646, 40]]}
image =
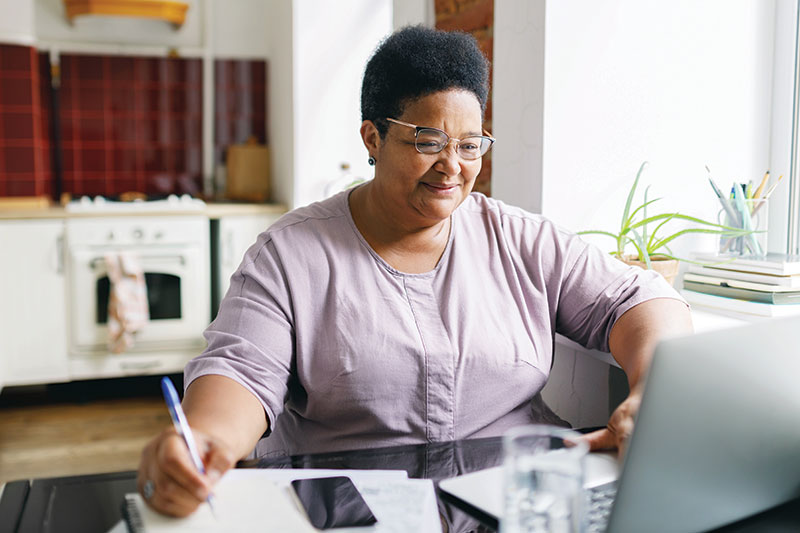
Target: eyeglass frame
{"points": [[418, 129]]}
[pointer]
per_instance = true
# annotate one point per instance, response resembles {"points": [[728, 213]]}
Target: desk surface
{"points": [[92, 503]]}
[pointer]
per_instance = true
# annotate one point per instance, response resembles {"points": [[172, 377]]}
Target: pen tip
{"points": [[708, 169]]}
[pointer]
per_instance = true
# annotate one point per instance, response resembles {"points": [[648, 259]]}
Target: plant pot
{"points": [[665, 266]]}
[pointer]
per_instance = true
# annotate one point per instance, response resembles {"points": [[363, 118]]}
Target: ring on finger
{"points": [[148, 489]]}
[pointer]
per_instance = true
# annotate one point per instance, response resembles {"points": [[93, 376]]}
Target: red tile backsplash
{"points": [[16, 91], [126, 123], [129, 105], [24, 137], [240, 102], [16, 58], [23, 187]]}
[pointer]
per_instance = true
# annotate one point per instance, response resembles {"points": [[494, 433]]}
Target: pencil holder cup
{"points": [[755, 218]]}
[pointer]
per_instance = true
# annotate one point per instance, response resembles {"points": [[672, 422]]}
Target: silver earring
{"points": [[371, 161]]}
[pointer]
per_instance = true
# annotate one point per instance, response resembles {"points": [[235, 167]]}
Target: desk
{"points": [[92, 503]]}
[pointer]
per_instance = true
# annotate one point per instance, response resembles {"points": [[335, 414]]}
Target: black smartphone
{"points": [[333, 502]]}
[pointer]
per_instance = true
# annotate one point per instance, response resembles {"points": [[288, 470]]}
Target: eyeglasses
{"points": [[433, 141]]}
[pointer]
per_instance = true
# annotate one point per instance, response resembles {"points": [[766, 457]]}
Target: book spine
{"points": [[767, 279], [740, 306], [774, 268], [726, 304], [729, 292]]}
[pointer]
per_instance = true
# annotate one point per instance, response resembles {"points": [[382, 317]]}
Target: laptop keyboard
{"points": [[599, 506]]}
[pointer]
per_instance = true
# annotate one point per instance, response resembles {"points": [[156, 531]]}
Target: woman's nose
{"points": [[449, 162]]}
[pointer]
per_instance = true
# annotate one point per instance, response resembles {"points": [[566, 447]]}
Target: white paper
{"points": [[400, 504]]}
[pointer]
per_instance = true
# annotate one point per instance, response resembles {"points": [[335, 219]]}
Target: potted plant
{"points": [[652, 247]]}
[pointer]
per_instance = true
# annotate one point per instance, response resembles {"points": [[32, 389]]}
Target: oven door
{"points": [[177, 292]]}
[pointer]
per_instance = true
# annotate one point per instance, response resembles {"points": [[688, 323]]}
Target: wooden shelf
{"points": [[167, 10]]}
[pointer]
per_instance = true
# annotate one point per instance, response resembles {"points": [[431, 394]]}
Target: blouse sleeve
{"points": [[595, 289], [251, 340]]}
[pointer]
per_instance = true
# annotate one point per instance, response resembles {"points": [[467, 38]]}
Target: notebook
{"points": [[737, 307], [240, 504], [743, 290], [768, 279], [772, 263], [715, 440], [252, 499]]}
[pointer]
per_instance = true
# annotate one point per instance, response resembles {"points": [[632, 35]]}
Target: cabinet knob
{"points": [[138, 234]]}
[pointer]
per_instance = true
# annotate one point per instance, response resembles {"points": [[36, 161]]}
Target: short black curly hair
{"points": [[416, 61]]}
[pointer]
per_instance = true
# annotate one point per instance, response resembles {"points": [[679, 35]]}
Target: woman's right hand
{"points": [[177, 487]]}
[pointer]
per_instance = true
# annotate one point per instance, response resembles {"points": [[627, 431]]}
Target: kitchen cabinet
{"points": [[231, 236], [33, 330], [226, 29], [42, 273], [53, 27]]}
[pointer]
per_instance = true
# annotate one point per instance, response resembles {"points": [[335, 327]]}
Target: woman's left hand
{"points": [[619, 428], [632, 341]]}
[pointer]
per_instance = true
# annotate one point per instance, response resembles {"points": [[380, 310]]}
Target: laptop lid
{"points": [[717, 437], [483, 489]]}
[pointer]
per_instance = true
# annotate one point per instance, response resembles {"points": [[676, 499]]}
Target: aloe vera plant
{"points": [[634, 230]]}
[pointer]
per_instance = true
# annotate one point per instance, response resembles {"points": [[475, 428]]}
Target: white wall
{"points": [[518, 102], [682, 85], [280, 100], [317, 54], [241, 28], [412, 12], [17, 22], [331, 48]]}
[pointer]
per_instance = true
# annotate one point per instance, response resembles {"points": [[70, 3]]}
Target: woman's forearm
{"points": [[226, 411]]}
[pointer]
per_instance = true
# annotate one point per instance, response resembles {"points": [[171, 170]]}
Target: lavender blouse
{"points": [[343, 351]]}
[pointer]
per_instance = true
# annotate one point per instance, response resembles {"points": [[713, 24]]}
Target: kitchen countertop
{"points": [[212, 210]]}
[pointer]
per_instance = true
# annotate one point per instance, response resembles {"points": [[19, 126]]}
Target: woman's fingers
{"points": [[619, 429], [602, 439], [175, 486], [217, 460], [176, 465]]}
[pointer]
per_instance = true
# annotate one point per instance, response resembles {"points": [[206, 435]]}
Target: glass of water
{"points": [[543, 480]]}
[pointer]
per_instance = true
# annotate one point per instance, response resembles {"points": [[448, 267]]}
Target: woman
{"points": [[406, 310]]}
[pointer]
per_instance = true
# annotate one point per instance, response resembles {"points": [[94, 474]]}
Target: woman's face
{"points": [[425, 189]]}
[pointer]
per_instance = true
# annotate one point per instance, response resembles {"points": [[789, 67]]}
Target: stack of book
{"points": [[745, 286]]}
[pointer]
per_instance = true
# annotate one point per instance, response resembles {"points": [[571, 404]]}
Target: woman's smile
{"points": [[441, 189]]}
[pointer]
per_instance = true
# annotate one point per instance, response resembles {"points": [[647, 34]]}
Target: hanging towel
{"points": [[127, 301]]}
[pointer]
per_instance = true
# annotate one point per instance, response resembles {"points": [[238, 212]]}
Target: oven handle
{"points": [[100, 260]]}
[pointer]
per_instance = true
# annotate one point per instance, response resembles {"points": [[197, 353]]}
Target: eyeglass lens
{"points": [[432, 141]]}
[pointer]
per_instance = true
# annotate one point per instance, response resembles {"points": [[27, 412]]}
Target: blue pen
{"points": [[182, 426]]}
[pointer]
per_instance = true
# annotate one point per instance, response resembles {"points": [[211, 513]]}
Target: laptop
{"points": [[717, 436]]}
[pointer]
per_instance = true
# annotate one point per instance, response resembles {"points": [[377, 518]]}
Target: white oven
{"points": [[174, 254]]}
